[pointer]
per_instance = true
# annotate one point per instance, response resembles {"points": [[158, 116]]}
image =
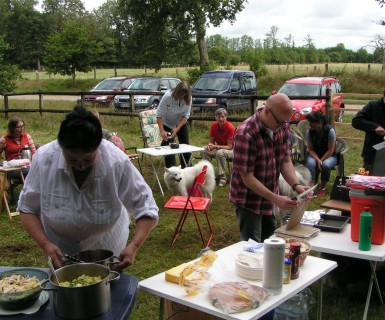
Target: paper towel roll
{"points": [[273, 263]]}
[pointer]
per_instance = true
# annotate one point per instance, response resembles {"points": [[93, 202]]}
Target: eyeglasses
{"points": [[279, 123], [20, 127]]}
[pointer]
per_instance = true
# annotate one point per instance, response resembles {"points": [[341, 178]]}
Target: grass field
{"points": [[17, 249]]}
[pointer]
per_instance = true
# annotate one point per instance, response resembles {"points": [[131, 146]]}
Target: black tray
{"points": [[332, 223]]}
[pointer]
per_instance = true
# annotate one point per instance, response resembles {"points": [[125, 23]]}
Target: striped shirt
{"points": [[96, 216], [12, 145], [257, 151]]}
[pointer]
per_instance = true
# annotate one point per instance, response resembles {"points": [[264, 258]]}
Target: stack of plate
{"points": [[249, 265]]}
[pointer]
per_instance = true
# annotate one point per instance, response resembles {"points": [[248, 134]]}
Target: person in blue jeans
{"points": [[321, 142]]}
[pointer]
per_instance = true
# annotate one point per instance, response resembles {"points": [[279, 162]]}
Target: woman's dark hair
{"points": [[80, 130], [12, 124], [316, 117]]}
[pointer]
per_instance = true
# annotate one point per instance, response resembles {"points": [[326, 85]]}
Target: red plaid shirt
{"points": [[255, 151]]}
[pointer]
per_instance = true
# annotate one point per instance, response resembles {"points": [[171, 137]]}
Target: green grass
{"points": [[156, 255]]}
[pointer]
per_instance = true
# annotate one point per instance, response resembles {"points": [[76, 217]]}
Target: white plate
{"points": [[43, 298]]}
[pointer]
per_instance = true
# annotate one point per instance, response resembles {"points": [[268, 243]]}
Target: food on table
{"points": [[18, 283], [81, 281], [234, 297], [173, 274]]}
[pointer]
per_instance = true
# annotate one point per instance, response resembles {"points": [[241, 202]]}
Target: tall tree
{"points": [[8, 73], [71, 50], [188, 18]]}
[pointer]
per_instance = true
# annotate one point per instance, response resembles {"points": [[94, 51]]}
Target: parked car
{"points": [[143, 101], [231, 82], [312, 86], [113, 85]]}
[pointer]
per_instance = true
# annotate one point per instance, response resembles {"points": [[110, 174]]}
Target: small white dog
{"points": [[179, 180]]}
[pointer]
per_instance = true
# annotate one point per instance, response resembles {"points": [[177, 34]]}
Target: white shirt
{"points": [[94, 216]]}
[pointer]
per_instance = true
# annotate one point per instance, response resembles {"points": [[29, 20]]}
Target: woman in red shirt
{"points": [[14, 141]]}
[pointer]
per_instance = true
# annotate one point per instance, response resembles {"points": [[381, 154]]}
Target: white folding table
{"points": [[166, 151], [313, 269], [342, 245]]}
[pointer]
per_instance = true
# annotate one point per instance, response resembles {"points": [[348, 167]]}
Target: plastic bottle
{"points": [[287, 271], [295, 252], [365, 235]]}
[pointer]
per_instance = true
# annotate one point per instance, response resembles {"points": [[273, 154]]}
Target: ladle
{"points": [[53, 269]]}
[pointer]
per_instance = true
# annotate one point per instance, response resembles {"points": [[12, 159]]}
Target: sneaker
{"points": [[321, 192], [222, 182]]}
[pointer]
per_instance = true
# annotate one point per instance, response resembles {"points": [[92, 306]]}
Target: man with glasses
{"points": [[261, 147], [371, 120]]}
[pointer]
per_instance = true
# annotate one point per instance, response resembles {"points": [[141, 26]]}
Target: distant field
{"points": [[181, 72]]}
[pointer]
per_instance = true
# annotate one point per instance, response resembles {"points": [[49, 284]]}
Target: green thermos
{"points": [[365, 236]]}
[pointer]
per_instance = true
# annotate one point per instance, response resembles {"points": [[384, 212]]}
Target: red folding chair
{"points": [[194, 204]]}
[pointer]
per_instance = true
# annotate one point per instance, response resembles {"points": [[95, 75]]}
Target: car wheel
{"points": [[340, 115], [112, 104]]}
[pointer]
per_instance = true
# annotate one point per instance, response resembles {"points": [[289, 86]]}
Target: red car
{"points": [[312, 86], [115, 85]]}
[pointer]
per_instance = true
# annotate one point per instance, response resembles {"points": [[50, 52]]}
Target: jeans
{"points": [[255, 226], [182, 138], [327, 165]]}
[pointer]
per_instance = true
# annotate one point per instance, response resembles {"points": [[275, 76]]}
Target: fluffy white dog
{"points": [[179, 180]]}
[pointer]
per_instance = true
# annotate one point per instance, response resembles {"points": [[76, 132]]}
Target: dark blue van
{"points": [[234, 82]]}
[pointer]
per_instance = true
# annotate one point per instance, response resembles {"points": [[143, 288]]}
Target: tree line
{"points": [[62, 37]]}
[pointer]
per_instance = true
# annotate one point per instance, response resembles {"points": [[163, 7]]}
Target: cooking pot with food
{"points": [[87, 298], [100, 256]]}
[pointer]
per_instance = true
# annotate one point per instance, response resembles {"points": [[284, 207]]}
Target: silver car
{"points": [[145, 101]]}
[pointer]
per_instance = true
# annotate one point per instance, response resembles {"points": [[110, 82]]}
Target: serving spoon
{"points": [[53, 269]]}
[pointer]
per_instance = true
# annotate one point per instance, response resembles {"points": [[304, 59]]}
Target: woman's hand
{"points": [[51, 250]]}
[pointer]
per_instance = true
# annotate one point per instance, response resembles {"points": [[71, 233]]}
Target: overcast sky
{"points": [[328, 22]]}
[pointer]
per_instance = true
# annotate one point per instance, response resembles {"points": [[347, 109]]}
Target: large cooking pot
{"points": [[82, 302], [100, 256]]}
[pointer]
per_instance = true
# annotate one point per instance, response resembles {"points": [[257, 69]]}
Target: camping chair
{"points": [[194, 204], [149, 129]]}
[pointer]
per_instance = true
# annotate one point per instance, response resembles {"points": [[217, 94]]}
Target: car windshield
{"points": [[108, 84], [211, 84], [300, 89], [145, 85]]}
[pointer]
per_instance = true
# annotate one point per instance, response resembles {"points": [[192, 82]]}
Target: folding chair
{"points": [[150, 129], [133, 156], [194, 204]]}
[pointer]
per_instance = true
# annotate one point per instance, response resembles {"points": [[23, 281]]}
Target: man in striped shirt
{"points": [[261, 147]]}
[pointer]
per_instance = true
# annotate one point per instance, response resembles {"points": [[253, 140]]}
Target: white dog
{"points": [[179, 180]]}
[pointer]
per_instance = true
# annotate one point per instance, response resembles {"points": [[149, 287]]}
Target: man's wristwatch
{"points": [[295, 185]]}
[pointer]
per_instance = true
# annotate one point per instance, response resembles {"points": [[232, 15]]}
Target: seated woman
{"points": [[320, 141], [13, 142]]}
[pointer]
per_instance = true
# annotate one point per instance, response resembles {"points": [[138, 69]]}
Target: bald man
{"points": [[261, 147]]}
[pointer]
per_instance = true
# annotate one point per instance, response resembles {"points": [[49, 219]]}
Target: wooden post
{"points": [[326, 67], [41, 104], [329, 107], [6, 107]]}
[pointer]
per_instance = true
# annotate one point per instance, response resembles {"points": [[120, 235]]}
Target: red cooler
{"points": [[375, 200]]}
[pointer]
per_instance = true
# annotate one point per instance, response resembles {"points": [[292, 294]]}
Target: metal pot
{"points": [[100, 256], [82, 302]]}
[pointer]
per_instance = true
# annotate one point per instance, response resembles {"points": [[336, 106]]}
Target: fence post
{"points": [[329, 107], [6, 106], [40, 104]]}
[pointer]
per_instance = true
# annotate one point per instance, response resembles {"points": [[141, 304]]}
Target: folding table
{"points": [[313, 269], [3, 197], [342, 245], [166, 151]]}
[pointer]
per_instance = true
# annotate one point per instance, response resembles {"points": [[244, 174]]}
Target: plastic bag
{"points": [[194, 276], [296, 308], [234, 297]]}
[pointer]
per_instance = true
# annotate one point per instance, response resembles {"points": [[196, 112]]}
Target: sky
{"points": [[328, 22]]}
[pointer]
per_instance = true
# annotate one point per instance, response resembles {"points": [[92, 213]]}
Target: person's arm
{"points": [[143, 228], [31, 144], [181, 123], [256, 186], [331, 145], [364, 121], [32, 224], [161, 128]]}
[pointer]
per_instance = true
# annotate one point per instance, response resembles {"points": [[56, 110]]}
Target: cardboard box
{"points": [[176, 311]]}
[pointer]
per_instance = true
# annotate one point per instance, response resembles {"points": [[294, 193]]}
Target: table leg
{"points": [[161, 308], [320, 298], [373, 278], [156, 175]]}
